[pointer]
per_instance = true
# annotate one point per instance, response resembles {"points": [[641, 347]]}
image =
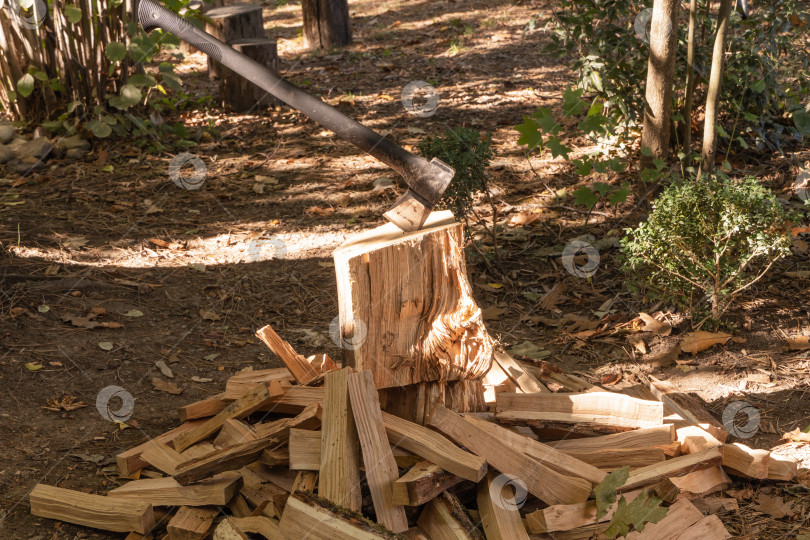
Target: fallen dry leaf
{"points": [[739, 494], [797, 435], [65, 403], [318, 211], [553, 297], [166, 386], [638, 343], [694, 342], [524, 218], [796, 231], [664, 358], [164, 244], [209, 315], [651, 324], [612, 379], [161, 365], [492, 313], [776, 507], [798, 343]]}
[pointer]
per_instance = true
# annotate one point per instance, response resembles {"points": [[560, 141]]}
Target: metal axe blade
{"points": [[426, 180]]}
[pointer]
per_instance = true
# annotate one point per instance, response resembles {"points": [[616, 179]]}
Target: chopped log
{"points": [[541, 481], [499, 510], [162, 457], [295, 399], [195, 451], [601, 408], [231, 23], [673, 467], [277, 457], [434, 447], [129, 461], [309, 418], [168, 492], [444, 518], [281, 477], [316, 519], [238, 93], [783, 468], [680, 516], [496, 381], [300, 367], [687, 407], [522, 378], [741, 460], [326, 23], [245, 381], [258, 525], [234, 432], [138, 536], [415, 402], [403, 458], [239, 506], [191, 523], [548, 456], [261, 395], [204, 408], [406, 306], [305, 481], [566, 517], [305, 450], [611, 459], [381, 468], [640, 438], [422, 483], [707, 527], [695, 438], [91, 510], [228, 530], [339, 479], [698, 484], [225, 459]]}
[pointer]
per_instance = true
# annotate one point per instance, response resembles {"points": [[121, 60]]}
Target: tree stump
{"points": [[232, 23], [238, 93], [326, 23], [408, 315]]}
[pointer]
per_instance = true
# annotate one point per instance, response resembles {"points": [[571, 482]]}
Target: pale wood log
{"points": [[651, 474], [433, 447], [415, 402], [421, 483], [496, 381], [339, 479], [307, 517], [204, 408], [228, 530], [741, 460], [168, 492], [565, 517], [191, 523], [406, 306], [639, 438], [305, 481], [233, 432], [541, 481], [305, 450], [300, 367], [499, 510], [308, 418], [89, 510], [601, 408], [231, 23], [698, 484], [444, 518], [294, 400], [195, 451], [276, 457], [326, 23], [680, 516], [138, 536], [695, 439], [522, 378], [245, 381], [162, 457], [225, 459], [129, 461], [239, 506], [784, 468], [707, 527], [259, 525], [380, 466], [547, 455], [238, 93], [610, 459], [280, 476], [689, 408]]}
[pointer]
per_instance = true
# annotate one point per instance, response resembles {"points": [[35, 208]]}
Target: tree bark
{"points": [[326, 23], [238, 93], [715, 84], [232, 23], [660, 75], [690, 79]]}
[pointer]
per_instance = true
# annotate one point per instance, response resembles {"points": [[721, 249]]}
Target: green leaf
{"points": [[572, 104], [99, 129], [25, 86], [605, 492], [108, 168], [115, 51], [659, 163], [73, 13], [743, 144], [620, 195], [72, 106], [584, 196], [802, 121], [142, 80], [557, 148], [583, 167], [602, 188], [528, 133], [41, 76], [171, 80], [720, 131], [758, 86], [646, 151], [130, 96], [642, 510]]}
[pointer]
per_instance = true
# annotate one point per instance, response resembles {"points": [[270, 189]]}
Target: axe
{"points": [[426, 180]]}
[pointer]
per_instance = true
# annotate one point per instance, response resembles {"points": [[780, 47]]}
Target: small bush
{"points": [[707, 240]]}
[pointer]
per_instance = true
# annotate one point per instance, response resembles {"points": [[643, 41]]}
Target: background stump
{"points": [[326, 23], [233, 23], [236, 92]]}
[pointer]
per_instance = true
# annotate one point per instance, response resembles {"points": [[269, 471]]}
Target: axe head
{"points": [[424, 192]]}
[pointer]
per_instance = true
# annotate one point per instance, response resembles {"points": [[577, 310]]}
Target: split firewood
{"points": [[421, 483], [303, 370], [698, 484], [339, 479], [239, 506], [639, 438], [205, 408], [168, 492], [228, 530], [741, 460], [162, 457], [499, 510], [444, 518], [305, 481], [233, 432], [495, 382], [89, 510], [275, 458], [308, 418], [306, 516], [600, 408], [258, 472], [689, 408], [651, 474], [680, 516], [707, 527], [541, 481], [226, 459], [258, 525], [191, 523], [260, 396], [199, 450], [520, 377], [610, 459], [380, 466], [566, 517], [129, 461], [696, 439], [295, 399], [138, 536], [782, 468], [305, 450], [245, 381]]}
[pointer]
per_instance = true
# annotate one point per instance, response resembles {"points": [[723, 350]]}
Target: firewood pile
{"points": [[305, 451]]}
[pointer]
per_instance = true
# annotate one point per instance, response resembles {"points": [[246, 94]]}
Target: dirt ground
{"points": [[106, 272]]}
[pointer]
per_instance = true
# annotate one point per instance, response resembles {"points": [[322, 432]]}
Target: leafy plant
{"points": [[468, 152], [707, 240], [635, 515]]}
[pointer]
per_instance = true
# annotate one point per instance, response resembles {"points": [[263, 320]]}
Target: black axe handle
{"points": [[427, 180]]}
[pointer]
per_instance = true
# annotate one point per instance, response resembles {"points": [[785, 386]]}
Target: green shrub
{"points": [[707, 240]]}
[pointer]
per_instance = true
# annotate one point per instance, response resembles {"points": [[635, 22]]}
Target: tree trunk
{"points": [[407, 314], [326, 23], [232, 23], [715, 83], [238, 93], [660, 75], [690, 80]]}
